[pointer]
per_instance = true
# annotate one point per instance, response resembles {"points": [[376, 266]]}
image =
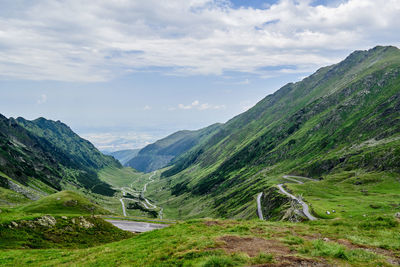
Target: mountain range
{"points": [[343, 117], [43, 156], [165, 151]]}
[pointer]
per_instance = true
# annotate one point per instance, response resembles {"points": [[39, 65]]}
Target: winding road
{"points": [[123, 205], [148, 205], [259, 211], [293, 178], [306, 209]]}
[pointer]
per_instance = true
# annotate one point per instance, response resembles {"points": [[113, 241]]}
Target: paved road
{"points": [[123, 206], [259, 211], [289, 177], [142, 194], [137, 227], [160, 213], [306, 209]]}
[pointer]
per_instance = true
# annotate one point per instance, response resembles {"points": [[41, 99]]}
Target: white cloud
{"points": [[97, 40], [147, 107], [119, 140], [199, 106], [42, 99]]}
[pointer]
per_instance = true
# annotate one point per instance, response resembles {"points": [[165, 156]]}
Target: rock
{"points": [[64, 217], [14, 224], [397, 215], [30, 224], [326, 239], [47, 221], [58, 198], [328, 212], [84, 223], [333, 211]]}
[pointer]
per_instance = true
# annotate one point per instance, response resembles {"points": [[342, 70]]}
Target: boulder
{"points": [[47, 221]]}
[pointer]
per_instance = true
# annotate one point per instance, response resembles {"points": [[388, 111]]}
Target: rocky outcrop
{"points": [[276, 206], [48, 221]]}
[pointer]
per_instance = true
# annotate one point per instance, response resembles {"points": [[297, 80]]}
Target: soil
{"points": [[252, 246]]}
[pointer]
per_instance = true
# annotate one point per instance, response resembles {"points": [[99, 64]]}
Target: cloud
{"points": [[42, 99], [99, 40], [199, 106], [147, 107], [119, 140]]}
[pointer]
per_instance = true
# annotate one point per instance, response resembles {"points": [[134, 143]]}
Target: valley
{"points": [[309, 176]]}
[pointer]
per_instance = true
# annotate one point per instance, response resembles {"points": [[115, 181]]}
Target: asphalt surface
{"points": [[123, 206], [142, 195], [137, 227], [259, 211], [306, 209]]}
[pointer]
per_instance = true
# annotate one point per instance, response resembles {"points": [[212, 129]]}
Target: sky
{"points": [[124, 73]]}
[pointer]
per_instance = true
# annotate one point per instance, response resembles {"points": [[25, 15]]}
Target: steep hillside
{"points": [[163, 152], [124, 156], [343, 117], [41, 156], [61, 136]]}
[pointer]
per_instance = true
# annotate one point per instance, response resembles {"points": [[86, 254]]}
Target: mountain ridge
{"points": [[309, 128], [40, 156], [166, 150]]}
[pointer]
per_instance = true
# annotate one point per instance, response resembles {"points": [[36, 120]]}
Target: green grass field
{"points": [[355, 195], [233, 243]]}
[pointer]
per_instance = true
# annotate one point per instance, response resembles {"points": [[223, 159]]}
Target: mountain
{"points": [[343, 117], [124, 156], [42, 156], [163, 152]]}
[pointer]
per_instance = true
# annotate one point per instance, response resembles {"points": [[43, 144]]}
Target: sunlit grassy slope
{"points": [[344, 117], [235, 243], [64, 202]]}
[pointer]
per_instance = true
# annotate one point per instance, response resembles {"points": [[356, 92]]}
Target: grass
{"points": [[354, 194], [196, 243], [122, 177], [68, 232], [64, 202]]}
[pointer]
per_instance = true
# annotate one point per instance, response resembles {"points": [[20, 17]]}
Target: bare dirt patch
{"points": [[252, 246]]}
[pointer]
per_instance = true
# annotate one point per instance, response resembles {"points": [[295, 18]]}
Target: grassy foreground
{"points": [[236, 243]]}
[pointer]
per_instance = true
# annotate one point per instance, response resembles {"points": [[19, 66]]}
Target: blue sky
{"points": [[125, 73]]}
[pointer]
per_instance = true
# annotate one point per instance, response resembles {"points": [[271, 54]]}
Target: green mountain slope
{"points": [[163, 152], [124, 156], [42, 156], [343, 117], [64, 202]]}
